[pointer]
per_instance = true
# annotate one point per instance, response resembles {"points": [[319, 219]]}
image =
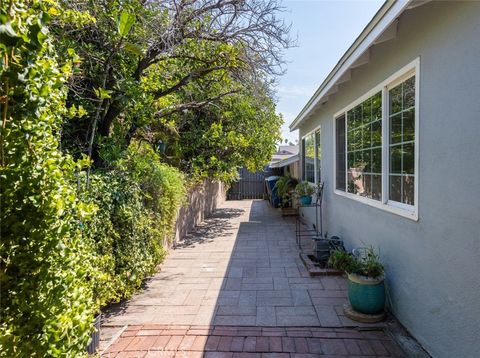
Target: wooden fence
{"points": [[249, 186]]}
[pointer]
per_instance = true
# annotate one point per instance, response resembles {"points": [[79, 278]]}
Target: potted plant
{"points": [[366, 287], [285, 187], [304, 191]]}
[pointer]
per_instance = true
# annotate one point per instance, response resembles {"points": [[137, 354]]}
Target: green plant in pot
{"points": [[366, 287], [285, 187], [304, 191]]}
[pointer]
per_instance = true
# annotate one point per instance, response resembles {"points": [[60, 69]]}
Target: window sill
{"points": [[400, 211]]}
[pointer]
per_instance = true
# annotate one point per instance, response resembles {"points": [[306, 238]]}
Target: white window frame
{"points": [[407, 211], [315, 161]]}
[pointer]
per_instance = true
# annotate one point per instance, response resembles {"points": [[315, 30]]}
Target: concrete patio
{"points": [[239, 275]]}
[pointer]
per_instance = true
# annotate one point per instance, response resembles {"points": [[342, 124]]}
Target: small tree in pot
{"points": [[366, 288], [304, 191], [285, 187]]}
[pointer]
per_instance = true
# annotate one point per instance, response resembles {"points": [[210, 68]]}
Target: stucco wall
{"points": [[432, 264], [202, 200]]}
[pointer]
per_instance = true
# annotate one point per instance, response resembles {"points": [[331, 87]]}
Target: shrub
{"points": [[285, 187], [304, 189], [365, 263], [45, 278], [137, 204]]}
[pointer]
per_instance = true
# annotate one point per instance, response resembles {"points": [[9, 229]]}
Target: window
{"points": [[311, 157], [375, 145]]}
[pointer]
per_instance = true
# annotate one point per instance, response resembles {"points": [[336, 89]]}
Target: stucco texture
{"points": [[432, 265]]}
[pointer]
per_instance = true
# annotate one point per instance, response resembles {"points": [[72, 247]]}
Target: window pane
{"points": [[408, 154], [376, 187], [396, 129], [358, 115], [351, 119], [351, 160], [377, 106], [396, 159], [358, 160], [367, 112], [351, 140], [395, 188], [408, 183], [367, 136], [357, 138], [366, 186], [409, 125], [354, 181], [377, 133], [377, 160], [409, 93], [395, 99], [402, 145], [367, 161]]}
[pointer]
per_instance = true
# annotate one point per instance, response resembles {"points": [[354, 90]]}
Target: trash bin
{"points": [[274, 199]]}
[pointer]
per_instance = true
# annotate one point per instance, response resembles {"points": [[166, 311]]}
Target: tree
{"points": [[216, 140], [140, 55]]}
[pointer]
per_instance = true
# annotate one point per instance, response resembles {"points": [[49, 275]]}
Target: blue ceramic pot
{"points": [[366, 294], [305, 200]]}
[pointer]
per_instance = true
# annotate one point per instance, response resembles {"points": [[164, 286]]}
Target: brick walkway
{"points": [[237, 286], [228, 341]]}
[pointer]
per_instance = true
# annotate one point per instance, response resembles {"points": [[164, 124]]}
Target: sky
{"points": [[324, 31]]}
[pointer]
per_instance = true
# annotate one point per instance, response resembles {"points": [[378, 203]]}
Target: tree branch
{"points": [[167, 111]]}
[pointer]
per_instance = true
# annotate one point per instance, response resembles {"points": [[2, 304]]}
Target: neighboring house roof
{"points": [[381, 28], [284, 162], [284, 152]]}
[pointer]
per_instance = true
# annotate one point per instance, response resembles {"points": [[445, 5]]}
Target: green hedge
{"points": [[62, 254], [46, 301], [137, 204]]}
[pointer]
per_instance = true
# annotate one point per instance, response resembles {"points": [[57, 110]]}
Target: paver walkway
{"points": [[237, 285]]}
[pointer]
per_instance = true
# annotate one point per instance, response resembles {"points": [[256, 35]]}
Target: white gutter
{"points": [[385, 16]]}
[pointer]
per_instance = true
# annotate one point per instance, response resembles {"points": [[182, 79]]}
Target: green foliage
{"points": [[202, 91], [215, 142], [137, 203], [46, 298], [136, 74], [285, 187], [365, 263], [304, 189]]}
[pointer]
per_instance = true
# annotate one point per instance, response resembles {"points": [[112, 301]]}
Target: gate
{"points": [[249, 186]]}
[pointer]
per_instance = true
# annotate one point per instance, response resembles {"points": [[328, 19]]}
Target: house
{"points": [[394, 133], [287, 160]]}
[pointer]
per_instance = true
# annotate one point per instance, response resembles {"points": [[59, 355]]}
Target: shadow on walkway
{"points": [[236, 287]]}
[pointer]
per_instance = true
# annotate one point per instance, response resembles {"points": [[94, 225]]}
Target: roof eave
{"points": [[381, 21]]}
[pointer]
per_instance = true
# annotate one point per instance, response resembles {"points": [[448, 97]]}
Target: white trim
{"points": [[408, 211], [379, 205], [380, 23]]}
